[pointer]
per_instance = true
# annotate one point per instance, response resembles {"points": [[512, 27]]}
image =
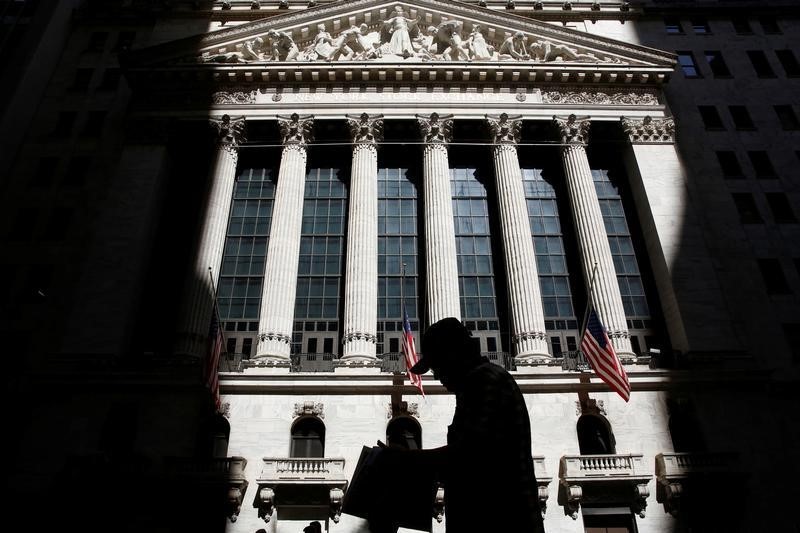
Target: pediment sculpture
{"points": [[397, 38]]}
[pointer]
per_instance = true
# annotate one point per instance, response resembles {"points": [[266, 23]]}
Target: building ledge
{"points": [[676, 471]]}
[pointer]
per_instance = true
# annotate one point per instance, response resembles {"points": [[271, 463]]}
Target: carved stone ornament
{"points": [[235, 97], [504, 129], [438, 504], [590, 407], [309, 408], [230, 132], [573, 129], [225, 409], [402, 409], [359, 336], [650, 130], [265, 502], [529, 335], [296, 129], [271, 336], [337, 497], [365, 128], [436, 128], [599, 97]]}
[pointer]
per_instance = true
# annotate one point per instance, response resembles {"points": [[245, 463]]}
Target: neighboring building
{"points": [[321, 166]]}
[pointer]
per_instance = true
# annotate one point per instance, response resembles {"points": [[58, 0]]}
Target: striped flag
{"points": [[410, 352], [597, 348], [215, 342]]}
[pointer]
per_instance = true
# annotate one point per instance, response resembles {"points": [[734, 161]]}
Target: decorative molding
{"points": [[530, 335], [365, 128], [402, 409], [337, 497], [296, 129], [309, 408], [233, 98], [272, 336], [573, 129], [265, 502], [649, 130], [568, 97], [230, 132], [436, 128], [438, 503], [504, 129], [359, 336]]}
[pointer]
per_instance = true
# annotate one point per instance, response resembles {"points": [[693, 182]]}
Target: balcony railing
{"points": [[603, 479], [705, 472], [302, 469], [574, 361], [684, 464]]}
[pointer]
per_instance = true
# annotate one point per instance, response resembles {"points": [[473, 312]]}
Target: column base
{"points": [[267, 365]]}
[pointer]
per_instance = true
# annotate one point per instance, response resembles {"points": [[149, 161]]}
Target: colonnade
{"points": [[361, 276]]}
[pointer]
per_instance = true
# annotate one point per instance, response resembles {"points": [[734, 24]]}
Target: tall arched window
{"points": [[220, 435], [308, 438], [595, 435], [404, 432]]}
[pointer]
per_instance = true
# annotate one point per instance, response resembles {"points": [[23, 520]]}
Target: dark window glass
{"points": [[83, 76], [110, 80], [700, 26], [673, 26], [77, 171], [688, 65], [595, 436], [404, 432], [94, 124], [769, 25], [741, 26], [788, 62], [308, 438], [760, 64], [312, 345], [247, 346], [97, 41], [729, 164], [746, 206], [394, 345], [607, 523], [327, 345], [761, 164], [717, 64], [741, 117], [774, 279], [231, 345], [711, 118], [66, 120], [781, 208], [787, 117]]}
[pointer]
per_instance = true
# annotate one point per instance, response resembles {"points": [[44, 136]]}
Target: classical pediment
{"points": [[376, 34]]}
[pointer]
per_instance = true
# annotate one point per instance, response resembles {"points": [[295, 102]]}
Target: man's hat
{"points": [[448, 332], [313, 527]]}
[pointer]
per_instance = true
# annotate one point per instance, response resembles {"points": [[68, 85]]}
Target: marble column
{"points": [[361, 275], [440, 241], [198, 293], [525, 295], [592, 237], [283, 253]]}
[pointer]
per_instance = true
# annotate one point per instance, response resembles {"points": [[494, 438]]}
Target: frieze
{"points": [[599, 98], [236, 98]]}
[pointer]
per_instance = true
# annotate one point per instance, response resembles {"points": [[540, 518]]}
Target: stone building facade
{"points": [[310, 171]]}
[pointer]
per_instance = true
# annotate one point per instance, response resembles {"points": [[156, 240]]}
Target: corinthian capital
{"points": [[296, 129], [436, 128], [650, 130], [573, 129], [230, 132], [365, 128], [504, 129]]}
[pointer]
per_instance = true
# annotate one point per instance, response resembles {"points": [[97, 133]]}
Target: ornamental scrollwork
{"points": [[530, 335], [309, 408], [650, 130], [436, 128], [274, 337], [296, 129], [504, 129], [573, 129], [359, 336], [365, 128], [599, 98], [230, 132], [236, 97]]}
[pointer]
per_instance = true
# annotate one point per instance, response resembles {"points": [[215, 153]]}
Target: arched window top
{"points": [[308, 437], [404, 432], [595, 435]]}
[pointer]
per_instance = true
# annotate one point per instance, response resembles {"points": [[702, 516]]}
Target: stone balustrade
{"points": [[702, 471], [302, 468]]}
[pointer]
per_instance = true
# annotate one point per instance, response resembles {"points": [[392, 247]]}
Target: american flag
{"points": [[410, 352], [215, 342], [597, 348]]}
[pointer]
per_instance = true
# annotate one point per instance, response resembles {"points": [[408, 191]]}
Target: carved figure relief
{"points": [[399, 30]]}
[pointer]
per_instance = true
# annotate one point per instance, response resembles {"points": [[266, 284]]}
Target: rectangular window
{"points": [[774, 278], [769, 25], [673, 26], [760, 64], [327, 345], [247, 347], [394, 345], [700, 26], [741, 26], [711, 118], [741, 117], [110, 81], [83, 76], [312, 345], [787, 117], [66, 120], [729, 164], [761, 164], [781, 208], [688, 65], [97, 41], [231, 345], [789, 63], [746, 206], [717, 64]]}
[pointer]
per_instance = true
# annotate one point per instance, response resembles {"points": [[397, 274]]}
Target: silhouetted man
{"points": [[487, 465]]}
